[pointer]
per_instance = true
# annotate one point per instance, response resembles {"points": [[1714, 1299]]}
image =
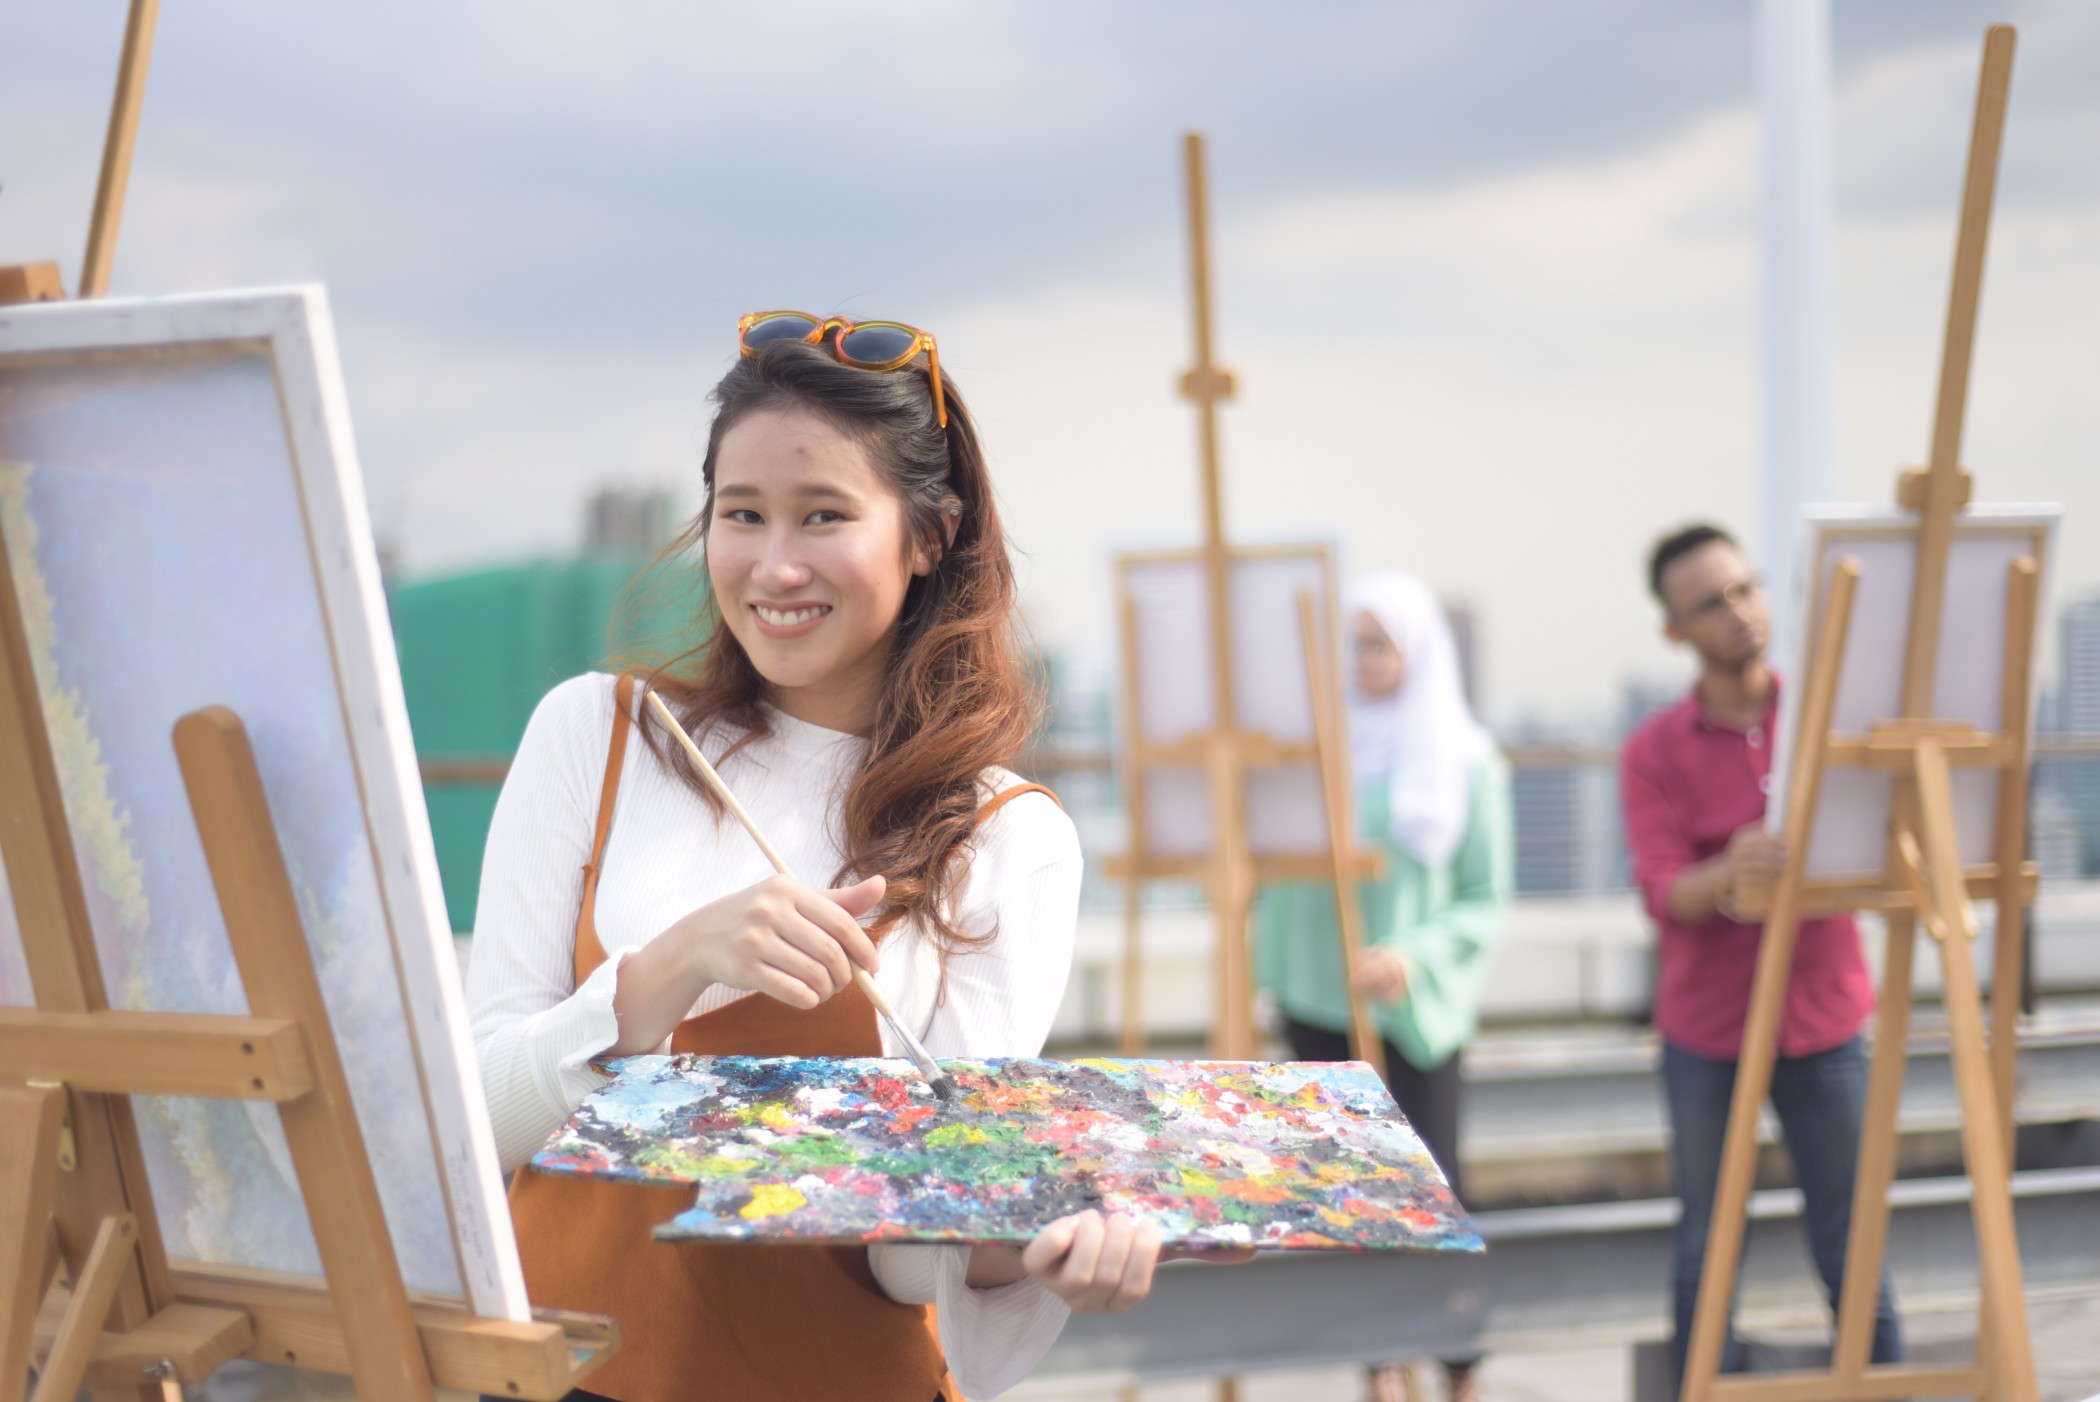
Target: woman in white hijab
{"points": [[1433, 791]]}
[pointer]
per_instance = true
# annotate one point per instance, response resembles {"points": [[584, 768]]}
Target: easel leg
{"points": [[1133, 1040], [1364, 1039], [1877, 1156], [1982, 1123], [93, 1293], [1724, 1237], [30, 1119], [1134, 817], [381, 1341], [1232, 897]]}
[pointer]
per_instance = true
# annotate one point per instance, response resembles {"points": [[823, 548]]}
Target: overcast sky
{"points": [[1487, 272]]}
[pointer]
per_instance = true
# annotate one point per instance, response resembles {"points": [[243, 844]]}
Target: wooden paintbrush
{"points": [[943, 1084]]}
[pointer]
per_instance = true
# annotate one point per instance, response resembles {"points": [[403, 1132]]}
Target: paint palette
{"points": [[1287, 1155]]}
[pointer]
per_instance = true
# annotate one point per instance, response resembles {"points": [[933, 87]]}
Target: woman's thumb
{"points": [[861, 897]]}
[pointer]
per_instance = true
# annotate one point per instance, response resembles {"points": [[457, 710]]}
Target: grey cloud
{"points": [[463, 166]]}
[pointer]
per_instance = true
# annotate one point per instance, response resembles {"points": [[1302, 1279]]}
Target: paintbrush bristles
{"points": [[943, 1084]]}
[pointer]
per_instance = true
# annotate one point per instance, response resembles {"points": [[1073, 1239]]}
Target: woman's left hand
{"points": [[1102, 1262], [1380, 974], [1096, 1262]]}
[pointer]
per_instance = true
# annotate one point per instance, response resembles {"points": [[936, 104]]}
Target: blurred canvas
{"points": [[1850, 838], [1170, 610]]}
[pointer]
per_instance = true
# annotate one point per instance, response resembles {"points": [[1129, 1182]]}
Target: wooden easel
{"points": [[1924, 879], [74, 1191], [1232, 871], [73, 1178]]}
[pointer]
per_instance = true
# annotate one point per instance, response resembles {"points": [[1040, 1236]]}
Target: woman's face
{"points": [[808, 556], [1381, 668]]}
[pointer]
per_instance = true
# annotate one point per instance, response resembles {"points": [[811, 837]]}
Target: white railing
{"points": [[1558, 958]]}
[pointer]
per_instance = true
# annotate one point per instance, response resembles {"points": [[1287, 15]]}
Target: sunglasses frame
{"points": [[839, 327]]}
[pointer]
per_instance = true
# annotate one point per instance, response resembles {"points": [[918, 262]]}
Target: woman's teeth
{"points": [[788, 618]]}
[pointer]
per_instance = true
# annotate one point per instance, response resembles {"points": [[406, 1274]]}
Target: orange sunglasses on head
{"points": [[865, 345]]}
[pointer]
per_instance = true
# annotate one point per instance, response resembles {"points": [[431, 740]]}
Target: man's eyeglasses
{"points": [[1729, 598]]}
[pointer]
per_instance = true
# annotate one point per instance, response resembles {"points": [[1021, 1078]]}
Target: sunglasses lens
{"points": [[787, 326], [878, 345]]}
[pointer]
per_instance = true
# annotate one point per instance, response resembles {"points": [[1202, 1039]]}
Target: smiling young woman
{"points": [[860, 689]]}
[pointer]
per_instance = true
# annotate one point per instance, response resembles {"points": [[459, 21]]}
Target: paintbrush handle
{"points": [[722, 791]]}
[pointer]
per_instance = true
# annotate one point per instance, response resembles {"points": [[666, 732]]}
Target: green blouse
{"points": [[1441, 920]]}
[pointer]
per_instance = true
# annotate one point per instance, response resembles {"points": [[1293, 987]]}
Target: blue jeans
{"points": [[1821, 1101]]}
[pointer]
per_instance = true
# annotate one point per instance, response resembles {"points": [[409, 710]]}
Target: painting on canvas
{"points": [[1281, 1156], [185, 524]]}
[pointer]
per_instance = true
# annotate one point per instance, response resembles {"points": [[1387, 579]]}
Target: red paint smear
{"points": [[910, 1118]]}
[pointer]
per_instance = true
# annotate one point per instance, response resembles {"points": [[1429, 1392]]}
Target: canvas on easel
{"points": [[218, 858], [1847, 850], [1910, 744]]}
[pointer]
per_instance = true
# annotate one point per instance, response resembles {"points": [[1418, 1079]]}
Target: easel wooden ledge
{"points": [[1924, 880]]}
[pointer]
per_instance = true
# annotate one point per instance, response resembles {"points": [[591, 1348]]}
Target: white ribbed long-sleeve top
{"points": [[535, 1030]]}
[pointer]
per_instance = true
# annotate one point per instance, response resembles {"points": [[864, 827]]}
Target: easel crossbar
{"points": [[1256, 751], [143, 1053], [1889, 752], [296, 1323], [1889, 1384], [1366, 864]]}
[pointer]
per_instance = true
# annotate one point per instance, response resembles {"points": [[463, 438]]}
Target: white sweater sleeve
{"points": [[1000, 999], [534, 1030]]}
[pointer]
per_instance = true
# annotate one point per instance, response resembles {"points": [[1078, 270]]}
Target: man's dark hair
{"points": [[1677, 545]]}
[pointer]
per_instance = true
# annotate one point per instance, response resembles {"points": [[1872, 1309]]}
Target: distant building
{"points": [[1565, 809], [2078, 713], [2052, 827], [1465, 635], [1639, 698], [628, 521], [1642, 697]]}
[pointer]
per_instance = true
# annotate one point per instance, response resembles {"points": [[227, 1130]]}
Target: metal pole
{"points": [[1798, 440]]}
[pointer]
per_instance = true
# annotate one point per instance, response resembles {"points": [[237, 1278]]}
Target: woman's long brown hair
{"points": [[955, 700]]}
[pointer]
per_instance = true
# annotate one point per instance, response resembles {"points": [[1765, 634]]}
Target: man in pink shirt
{"points": [[1693, 781]]}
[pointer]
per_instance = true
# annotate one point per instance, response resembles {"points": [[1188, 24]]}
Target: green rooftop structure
{"points": [[478, 650]]}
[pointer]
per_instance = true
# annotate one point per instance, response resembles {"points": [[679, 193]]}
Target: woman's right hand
{"points": [[780, 938]]}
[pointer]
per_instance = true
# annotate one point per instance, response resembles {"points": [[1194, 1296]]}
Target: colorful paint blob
{"points": [[1285, 1156]]}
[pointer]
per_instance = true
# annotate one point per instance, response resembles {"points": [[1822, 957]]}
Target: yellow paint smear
{"points": [[771, 1200]]}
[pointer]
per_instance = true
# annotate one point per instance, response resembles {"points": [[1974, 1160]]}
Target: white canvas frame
{"points": [[294, 326], [1286, 812], [1848, 841]]}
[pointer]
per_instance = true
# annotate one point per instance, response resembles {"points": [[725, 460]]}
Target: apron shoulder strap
{"points": [[1005, 796], [588, 952]]}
